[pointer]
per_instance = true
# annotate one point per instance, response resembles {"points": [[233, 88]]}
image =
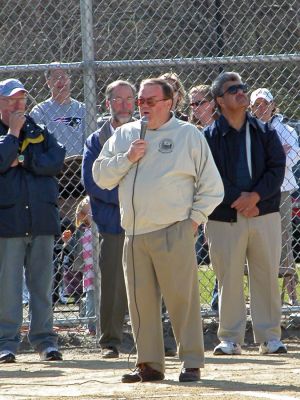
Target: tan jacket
{"points": [[177, 178]]}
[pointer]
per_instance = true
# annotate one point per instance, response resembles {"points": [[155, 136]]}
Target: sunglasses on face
{"points": [[235, 88], [198, 103], [151, 101]]}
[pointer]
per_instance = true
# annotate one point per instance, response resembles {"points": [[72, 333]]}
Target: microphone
{"points": [[144, 124]]}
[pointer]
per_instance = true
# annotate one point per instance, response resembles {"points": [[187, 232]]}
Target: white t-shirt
{"points": [[287, 135]]}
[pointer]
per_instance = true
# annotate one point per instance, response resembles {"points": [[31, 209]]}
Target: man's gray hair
{"points": [[113, 85], [217, 85]]}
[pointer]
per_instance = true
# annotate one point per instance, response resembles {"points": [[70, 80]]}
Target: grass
{"points": [[206, 279]]}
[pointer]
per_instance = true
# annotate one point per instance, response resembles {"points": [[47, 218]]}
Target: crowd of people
{"points": [[152, 184]]}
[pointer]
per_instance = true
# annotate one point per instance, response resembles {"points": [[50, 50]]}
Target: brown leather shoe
{"points": [[143, 373], [189, 375]]}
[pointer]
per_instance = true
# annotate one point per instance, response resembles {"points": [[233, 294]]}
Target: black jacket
{"points": [[29, 191], [268, 165]]}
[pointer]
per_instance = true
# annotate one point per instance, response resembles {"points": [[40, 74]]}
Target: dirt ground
{"points": [[84, 375]]}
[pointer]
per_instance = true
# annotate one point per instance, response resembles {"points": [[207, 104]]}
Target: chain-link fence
{"points": [[97, 43]]}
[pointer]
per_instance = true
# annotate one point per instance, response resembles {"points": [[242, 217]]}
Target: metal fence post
{"points": [[90, 98], [88, 57]]}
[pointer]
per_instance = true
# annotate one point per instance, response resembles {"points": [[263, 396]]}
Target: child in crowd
{"points": [[82, 251]]}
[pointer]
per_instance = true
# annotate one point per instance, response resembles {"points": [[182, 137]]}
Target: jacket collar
{"points": [[224, 126], [30, 133]]}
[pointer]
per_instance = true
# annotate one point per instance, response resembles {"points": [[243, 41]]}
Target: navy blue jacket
{"points": [[268, 165], [104, 203], [29, 191]]}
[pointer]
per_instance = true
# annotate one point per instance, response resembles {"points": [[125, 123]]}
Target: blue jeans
{"points": [[36, 254], [90, 309]]}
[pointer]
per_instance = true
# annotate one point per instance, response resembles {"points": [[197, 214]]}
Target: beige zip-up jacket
{"points": [[177, 178]]}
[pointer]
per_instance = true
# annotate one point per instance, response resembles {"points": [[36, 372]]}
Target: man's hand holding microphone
{"points": [[138, 147]]}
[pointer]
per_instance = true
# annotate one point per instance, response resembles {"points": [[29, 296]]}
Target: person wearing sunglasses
{"points": [[203, 113], [168, 185], [246, 225], [179, 95], [202, 106], [263, 107]]}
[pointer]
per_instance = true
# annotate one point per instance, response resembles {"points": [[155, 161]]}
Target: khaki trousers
{"points": [[164, 264], [259, 241]]}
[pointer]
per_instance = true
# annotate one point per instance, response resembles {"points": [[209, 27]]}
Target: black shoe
{"points": [[143, 373], [7, 358], [53, 355], [170, 352], [110, 352], [189, 375]]}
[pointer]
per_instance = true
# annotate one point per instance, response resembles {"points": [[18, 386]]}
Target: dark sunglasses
{"points": [[198, 103], [235, 88]]}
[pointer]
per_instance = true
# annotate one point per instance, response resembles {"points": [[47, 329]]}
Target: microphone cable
{"points": [[144, 122], [133, 265]]}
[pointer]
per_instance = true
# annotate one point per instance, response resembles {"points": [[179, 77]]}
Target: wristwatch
{"points": [[20, 158]]}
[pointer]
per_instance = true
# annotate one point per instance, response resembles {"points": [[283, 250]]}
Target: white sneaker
{"points": [[229, 348], [273, 347]]}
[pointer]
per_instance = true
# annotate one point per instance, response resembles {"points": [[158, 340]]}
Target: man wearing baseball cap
{"points": [[263, 107], [10, 87], [30, 159]]}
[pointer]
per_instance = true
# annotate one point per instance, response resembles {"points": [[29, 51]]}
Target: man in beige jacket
{"points": [[168, 185]]}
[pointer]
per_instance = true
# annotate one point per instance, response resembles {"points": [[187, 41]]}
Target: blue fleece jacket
{"points": [[104, 203]]}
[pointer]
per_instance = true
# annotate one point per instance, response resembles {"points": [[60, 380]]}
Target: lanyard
{"points": [[248, 149]]}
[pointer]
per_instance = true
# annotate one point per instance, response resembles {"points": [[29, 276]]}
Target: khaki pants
{"points": [[259, 241], [164, 263]]}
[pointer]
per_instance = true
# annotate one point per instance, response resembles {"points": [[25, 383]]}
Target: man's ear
{"points": [[170, 101], [219, 101], [107, 104]]}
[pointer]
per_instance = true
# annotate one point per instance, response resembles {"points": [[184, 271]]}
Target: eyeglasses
{"points": [[151, 101], [120, 100], [59, 77], [198, 103], [235, 88]]}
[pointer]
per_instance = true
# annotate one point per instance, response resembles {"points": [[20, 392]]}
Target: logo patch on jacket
{"points": [[74, 122], [166, 146]]}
